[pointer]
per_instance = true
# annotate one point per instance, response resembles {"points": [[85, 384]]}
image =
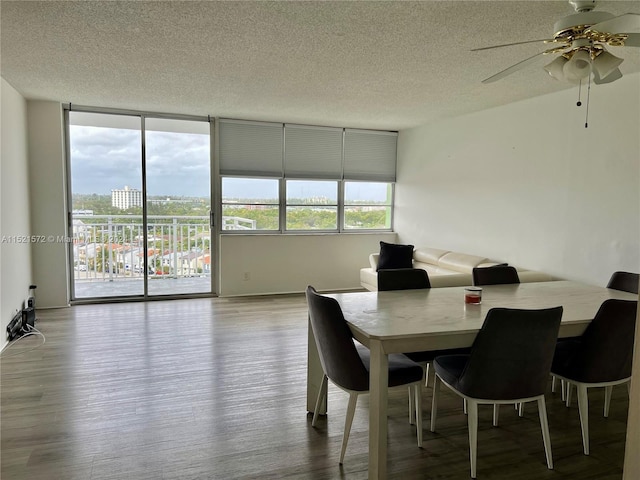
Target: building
{"points": [[505, 170], [126, 198]]}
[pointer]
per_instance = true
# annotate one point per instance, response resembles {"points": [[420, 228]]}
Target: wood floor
{"points": [[215, 389]]}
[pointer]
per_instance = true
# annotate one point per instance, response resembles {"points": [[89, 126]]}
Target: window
{"points": [[367, 205], [312, 205], [293, 178], [250, 203]]}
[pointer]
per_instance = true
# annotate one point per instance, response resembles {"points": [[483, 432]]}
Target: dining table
{"points": [[403, 321]]}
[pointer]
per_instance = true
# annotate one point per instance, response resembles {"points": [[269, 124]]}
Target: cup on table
{"points": [[473, 295]]}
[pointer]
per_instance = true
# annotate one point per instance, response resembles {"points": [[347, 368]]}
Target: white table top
{"points": [[438, 317]]}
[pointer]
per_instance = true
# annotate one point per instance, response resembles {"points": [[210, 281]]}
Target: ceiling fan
{"points": [[580, 40]]}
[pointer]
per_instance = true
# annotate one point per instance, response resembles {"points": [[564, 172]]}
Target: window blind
{"points": [[312, 152], [250, 148], [259, 149], [370, 155]]}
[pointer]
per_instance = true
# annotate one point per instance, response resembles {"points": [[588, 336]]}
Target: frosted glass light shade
{"points": [[555, 68], [578, 67], [606, 63]]}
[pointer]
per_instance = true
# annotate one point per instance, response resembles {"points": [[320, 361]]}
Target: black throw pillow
{"points": [[393, 255]]}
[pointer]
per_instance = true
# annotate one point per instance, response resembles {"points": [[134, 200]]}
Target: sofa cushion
{"points": [[461, 262], [428, 255], [393, 255]]}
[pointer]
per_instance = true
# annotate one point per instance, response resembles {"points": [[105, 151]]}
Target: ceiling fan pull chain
{"points": [[579, 103], [586, 118]]}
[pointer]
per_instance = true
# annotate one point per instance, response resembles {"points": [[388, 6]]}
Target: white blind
{"points": [[312, 152], [370, 155], [250, 148]]}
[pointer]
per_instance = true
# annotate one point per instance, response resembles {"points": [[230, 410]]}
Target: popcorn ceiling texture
{"points": [[385, 65]]}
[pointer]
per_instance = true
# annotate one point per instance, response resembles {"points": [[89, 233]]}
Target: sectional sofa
{"points": [[446, 268]]}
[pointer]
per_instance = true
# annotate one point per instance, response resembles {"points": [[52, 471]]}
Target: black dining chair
{"points": [[509, 363], [403, 279], [496, 275], [624, 281], [347, 365], [601, 357]]}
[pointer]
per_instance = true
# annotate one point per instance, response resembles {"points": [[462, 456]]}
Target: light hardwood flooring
{"points": [[215, 389]]}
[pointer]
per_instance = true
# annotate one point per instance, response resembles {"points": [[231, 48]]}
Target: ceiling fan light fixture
{"points": [[578, 67], [555, 68], [606, 63], [616, 74]]}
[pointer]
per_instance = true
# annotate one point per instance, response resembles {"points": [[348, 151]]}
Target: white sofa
{"points": [[446, 268]]}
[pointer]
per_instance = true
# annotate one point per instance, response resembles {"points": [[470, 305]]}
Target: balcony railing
{"points": [[112, 247]]}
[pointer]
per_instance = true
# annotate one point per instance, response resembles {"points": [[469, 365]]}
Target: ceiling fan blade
{"points": [[629, 22], [633, 40], [509, 44], [513, 68], [612, 77]]}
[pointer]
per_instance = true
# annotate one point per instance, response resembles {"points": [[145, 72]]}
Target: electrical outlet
{"points": [[246, 276]]}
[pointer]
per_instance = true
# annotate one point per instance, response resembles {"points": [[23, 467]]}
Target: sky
{"points": [[106, 158]]}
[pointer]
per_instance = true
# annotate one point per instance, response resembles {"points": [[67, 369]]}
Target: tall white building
{"points": [[126, 198]]}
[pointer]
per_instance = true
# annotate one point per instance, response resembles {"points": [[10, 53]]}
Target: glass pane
{"points": [[106, 184], [312, 218], [249, 217], [312, 192], [367, 217], [367, 205], [367, 193], [250, 204], [178, 204]]}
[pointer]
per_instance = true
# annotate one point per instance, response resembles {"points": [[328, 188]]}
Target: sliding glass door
{"points": [[178, 205], [140, 203]]}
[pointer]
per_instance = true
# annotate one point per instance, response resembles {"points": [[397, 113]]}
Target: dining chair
{"points": [[509, 363], [403, 279], [624, 281], [496, 275], [601, 357], [347, 365]]}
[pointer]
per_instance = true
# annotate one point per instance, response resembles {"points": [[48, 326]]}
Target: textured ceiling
{"points": [[386, 65]]}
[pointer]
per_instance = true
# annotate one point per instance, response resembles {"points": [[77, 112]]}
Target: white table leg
{"points": [[378, 385], [314, 374]]}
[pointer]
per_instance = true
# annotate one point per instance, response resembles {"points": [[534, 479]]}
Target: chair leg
{"points": [[428, 372], [567, 394], [544, 425], [607, 399], [563, 389], [412, 409], [321, 395], [496, 414], [553, 384], [434, 402], [472, 407], [464, 405], [351, 410], [521, 409], [418, 395], [583, 409]]}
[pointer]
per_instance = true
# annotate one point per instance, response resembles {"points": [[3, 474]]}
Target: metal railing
{"points": [[112, 247]]}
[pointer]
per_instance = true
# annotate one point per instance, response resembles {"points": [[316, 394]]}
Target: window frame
{"points": [[282, 205]]}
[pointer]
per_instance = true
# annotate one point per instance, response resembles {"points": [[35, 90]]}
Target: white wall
{"points": [[15, 258], [528, 184], [47, 198], [288, 263]]}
